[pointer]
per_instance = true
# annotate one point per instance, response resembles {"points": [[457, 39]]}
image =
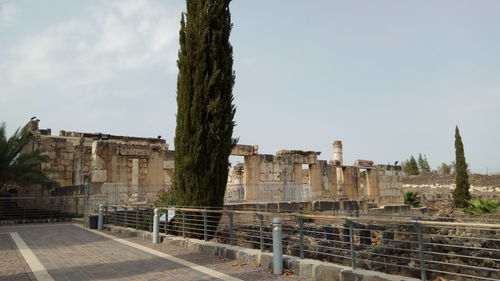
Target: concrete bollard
{"points": [[100, 221], [277, 246], [156, 227]]}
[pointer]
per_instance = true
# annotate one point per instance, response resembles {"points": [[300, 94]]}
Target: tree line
{"points": [[421, 166]]}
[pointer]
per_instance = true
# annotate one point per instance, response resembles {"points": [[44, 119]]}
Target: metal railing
{"points": [[249, 193], [416, 248], [16, 210]]}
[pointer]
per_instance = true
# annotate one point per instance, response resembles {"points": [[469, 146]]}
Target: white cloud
{"points": [[7, 14], [107, 39]]}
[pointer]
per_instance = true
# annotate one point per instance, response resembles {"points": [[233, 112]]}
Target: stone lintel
{"points": [[298, 152], [363, 163], [245, 150]]}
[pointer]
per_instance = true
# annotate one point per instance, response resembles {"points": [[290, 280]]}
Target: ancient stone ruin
{"points": [[133, 169]]}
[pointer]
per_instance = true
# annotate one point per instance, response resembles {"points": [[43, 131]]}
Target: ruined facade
{"points": [[296, 175], [131, 169], [126, 168]]}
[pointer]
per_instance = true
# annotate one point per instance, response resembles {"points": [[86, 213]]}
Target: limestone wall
{"points": [[390, 184], [136, 169]]}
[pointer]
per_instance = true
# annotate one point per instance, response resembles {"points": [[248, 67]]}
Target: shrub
{"points": [[306, 212], [412, 198], [478, 206], [166, 198]]}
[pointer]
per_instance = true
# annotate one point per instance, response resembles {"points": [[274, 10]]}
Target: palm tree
{"points": [[19, 167]]}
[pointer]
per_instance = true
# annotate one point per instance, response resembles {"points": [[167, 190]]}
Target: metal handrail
{"points": [[342, 218]]}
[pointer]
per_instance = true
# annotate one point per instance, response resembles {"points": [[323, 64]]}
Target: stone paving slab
{"points": [[234, 268], [12, 264], [72, 253]]}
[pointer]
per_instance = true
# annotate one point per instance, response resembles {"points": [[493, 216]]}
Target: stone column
{"points": [[337, 152]]}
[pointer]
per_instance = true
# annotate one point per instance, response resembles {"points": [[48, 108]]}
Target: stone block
{"points": [[350, 275], [99, 175], [177, 242], [266, 260], [192, 245], [306, 267], [209, 249], [324, 272], [292, 264], [230, 253], [249, 256]]}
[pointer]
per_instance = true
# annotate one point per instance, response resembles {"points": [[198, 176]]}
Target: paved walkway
{"points": [[67, 252]]}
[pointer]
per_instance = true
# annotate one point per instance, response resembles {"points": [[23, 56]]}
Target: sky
{"points": [[389, 78]]}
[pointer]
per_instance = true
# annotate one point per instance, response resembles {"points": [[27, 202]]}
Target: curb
{"points": [[309, 268]]}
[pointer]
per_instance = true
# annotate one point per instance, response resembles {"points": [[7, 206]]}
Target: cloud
{"points": [[106, 40], [7, 14]]}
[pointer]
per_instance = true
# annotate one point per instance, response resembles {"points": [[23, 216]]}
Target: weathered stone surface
{"points": [[146, 166], [307, 267], [325, 272], [244, 150], [266, 260], [99, 175]]}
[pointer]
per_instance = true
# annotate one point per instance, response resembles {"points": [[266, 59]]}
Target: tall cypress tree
{"points": [[205, 110], [461, 193]]}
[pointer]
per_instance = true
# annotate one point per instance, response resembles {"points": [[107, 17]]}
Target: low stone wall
{"points": [[317, 270], [437, 179], [343, 205]]}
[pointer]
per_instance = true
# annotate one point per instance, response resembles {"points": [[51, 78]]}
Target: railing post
{"points": [[156, 227], [136, 217], [183, 224], [100, 220], [126, 217], [114, 215], [300, 221], [166, 220], [351, 243], [24, 213], [420, 251], [277, 246], [261, 231], [50, 211], [231, 232], [205, 225]]}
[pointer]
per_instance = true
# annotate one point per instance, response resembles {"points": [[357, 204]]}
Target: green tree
{"points": [[205, 110], [444, 169], [19, 167], [423, 164], [411, 167], [461, 193]]}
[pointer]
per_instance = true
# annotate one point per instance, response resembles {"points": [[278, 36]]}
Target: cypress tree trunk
{"points": [[461, 193], [205, 110]]}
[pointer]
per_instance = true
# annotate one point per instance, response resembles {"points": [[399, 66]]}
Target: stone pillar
{"points": [[315, 181], [135, 175], [339, 174], [297, 174], [351, 182], [252, 167], [337, 152], [371, 183]]}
